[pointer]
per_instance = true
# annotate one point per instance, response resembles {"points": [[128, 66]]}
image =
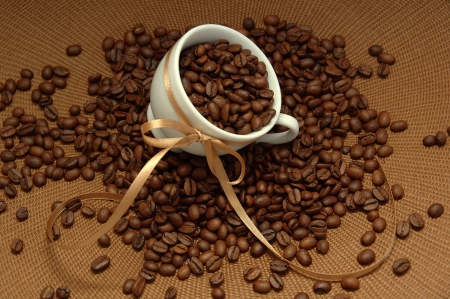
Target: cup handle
{"points": [[283, 137]]}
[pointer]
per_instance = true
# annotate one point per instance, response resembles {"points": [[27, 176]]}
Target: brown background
{"points": [[36, 33]]}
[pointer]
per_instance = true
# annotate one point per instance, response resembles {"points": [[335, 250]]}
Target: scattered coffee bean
{"points": [[321, 287], [138, 286], [366, 257], [435, 210], [401, 266], [217, 293], [127, 287], [276, 281], [104, 241], [397, 191], [262, 286], [379, 225], [100, 264], [368, 238], [22, 214], [350, 283], [3, 206], [398, 126], [252, 273], [429, 140], [301, 295], [441, 139], [16, 246], [62, 292], [375, 50], [170, 293], [402, 229], [416, 221], [47, 293], [73, 50], [216, 279]]}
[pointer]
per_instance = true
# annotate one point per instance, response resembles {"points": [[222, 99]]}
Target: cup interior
{"points": [[210, 33]]}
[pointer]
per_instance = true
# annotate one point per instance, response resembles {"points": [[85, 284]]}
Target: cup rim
{"points": [[276, 105]]}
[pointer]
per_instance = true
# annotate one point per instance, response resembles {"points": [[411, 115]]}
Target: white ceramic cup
{"points": [[160, 107]]}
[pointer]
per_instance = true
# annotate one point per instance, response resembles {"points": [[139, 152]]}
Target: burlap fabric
{"points": [[36, 33]]}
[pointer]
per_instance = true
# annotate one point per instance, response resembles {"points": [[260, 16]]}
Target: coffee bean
{"points": [[73, 204], [341, 296], [217, 293], [276, 281], [73, 50], [233, 253], [402, 229], [184, 272], [321, 287], [350, 283], [262, 286], [24, 84], [368, 238], [100, 264], [167, 270], [127, 287], [252, 273], [429, 140], [366, 257], [103, 214], [375, 50], [16, 246], [303, 257], [195, 265], [3, 206], [401, 266], [216, 279], [322, 246], [47, 293], [138, 286], [416, 221], [379, 225], [279, 266], [62, 292], [104, 241], [435, 210], [289, 252], [398, 126], [365, 70], [67, 218], [22, 214], [301, 295], [397, 191], [441, 139], [214, 263], [386, 58], [170, 293]]}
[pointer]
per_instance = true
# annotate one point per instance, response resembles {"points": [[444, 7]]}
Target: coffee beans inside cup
{"points": [[227, 85]]}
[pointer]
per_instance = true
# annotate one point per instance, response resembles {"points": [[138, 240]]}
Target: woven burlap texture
{"points": [[36, 33]]}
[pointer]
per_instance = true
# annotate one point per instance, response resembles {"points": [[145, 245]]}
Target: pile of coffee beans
{"points": [[227, 85], [385, 60], [294, 193]]}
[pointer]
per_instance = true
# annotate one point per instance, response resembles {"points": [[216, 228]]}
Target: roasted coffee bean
{"points": [[301, 295], [262, 286], [379, 225], [375, 50], [73, 50], [402, 229], [441, 139], [289, 252], [429, 140], [279, 266], [47, 293], [67, 218], [104, 241], [3, 206], [100, 264], [366, 257], [167, 270], [276, 281], [16, 246], [416, 221], [401, 266], [216, 279], [303, 257], [170, 293], [184, 272], [397, 191], [398, 126], [322, 246], [365, 70], [321, 287], [127, 287], [233, 253], [103, 214], [195, 265], [22, 214], [39, 179], [138, 286], [252, 273], [350, 283], [435, 210], [214, 263], [386, 58], [217, 293], [23, 84], [62, 292], [368, 238]]}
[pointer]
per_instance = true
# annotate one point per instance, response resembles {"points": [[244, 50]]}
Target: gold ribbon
{"points": [[210, 144]]}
